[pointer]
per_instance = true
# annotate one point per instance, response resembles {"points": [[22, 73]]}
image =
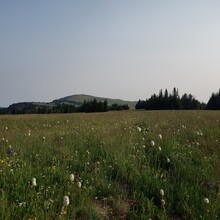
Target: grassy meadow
{"points": [[125, 165]]}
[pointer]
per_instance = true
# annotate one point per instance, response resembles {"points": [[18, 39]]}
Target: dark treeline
{"points": [[214, 101], [166, 101], [36, 108], [162, 101], [93, 106], [118, 107]]}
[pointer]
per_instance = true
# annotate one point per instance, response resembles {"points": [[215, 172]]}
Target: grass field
{"points": [[125, 165]]}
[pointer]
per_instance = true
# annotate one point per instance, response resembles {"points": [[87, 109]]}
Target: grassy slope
{"points": [[111, 154]]}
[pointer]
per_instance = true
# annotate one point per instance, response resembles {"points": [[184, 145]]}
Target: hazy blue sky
{"points": [[125, 49]]}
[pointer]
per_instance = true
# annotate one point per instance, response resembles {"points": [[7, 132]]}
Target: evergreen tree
{"points": [[214, 101]]}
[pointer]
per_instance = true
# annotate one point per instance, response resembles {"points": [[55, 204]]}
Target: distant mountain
{"points": [[78, 100], [62, 105]]}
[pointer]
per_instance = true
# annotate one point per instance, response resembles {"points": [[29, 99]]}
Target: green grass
{"points": [[111, 154]]}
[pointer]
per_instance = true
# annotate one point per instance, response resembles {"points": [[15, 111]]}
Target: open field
{"points": [[126, 165]]}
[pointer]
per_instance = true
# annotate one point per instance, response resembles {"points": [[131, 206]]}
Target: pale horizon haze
{"points": [[127, 49]]}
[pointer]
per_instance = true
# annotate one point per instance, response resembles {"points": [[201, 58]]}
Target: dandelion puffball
{"points": [[161, 192], [162, 202], [152, 143], [72, 177], [206, 200], [79, 184], [34, 183], [66, 201], [160, 136]]}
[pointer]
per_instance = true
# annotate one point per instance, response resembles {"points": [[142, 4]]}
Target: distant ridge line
{"points": [[78, 99]]}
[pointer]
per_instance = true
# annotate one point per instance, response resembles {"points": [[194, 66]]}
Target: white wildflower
{"points": [[162, 202], [162, 192], [206, 200], [72, 177], [34, 183], [160, 136], [66, 201], [152, 143], [79, 184]]}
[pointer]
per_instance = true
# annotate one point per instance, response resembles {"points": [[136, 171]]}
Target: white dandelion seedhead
{"points": [[34, 183], [160, 136], [163, 203], [159, 148], [152, 143], [72, 177], [162, 192], [66, 201], [139, 129], [79, 184], [206, 200]]}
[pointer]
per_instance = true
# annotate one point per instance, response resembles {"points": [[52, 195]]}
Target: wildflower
{"points": [[162, 202], [44, 138], [34, 182], [159, 148], [162, 192], [72, 177], [152, 143], [66, 201], [160, 136], [79, 184], [168, 160], [206, 200], [139, 129]]}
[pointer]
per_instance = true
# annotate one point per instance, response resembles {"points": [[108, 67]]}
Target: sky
{"points": [[126, 49]]}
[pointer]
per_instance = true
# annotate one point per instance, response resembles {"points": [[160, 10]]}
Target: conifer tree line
{"points": [[172, 101], [87, 106], [162, 101], [214, 101]]}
